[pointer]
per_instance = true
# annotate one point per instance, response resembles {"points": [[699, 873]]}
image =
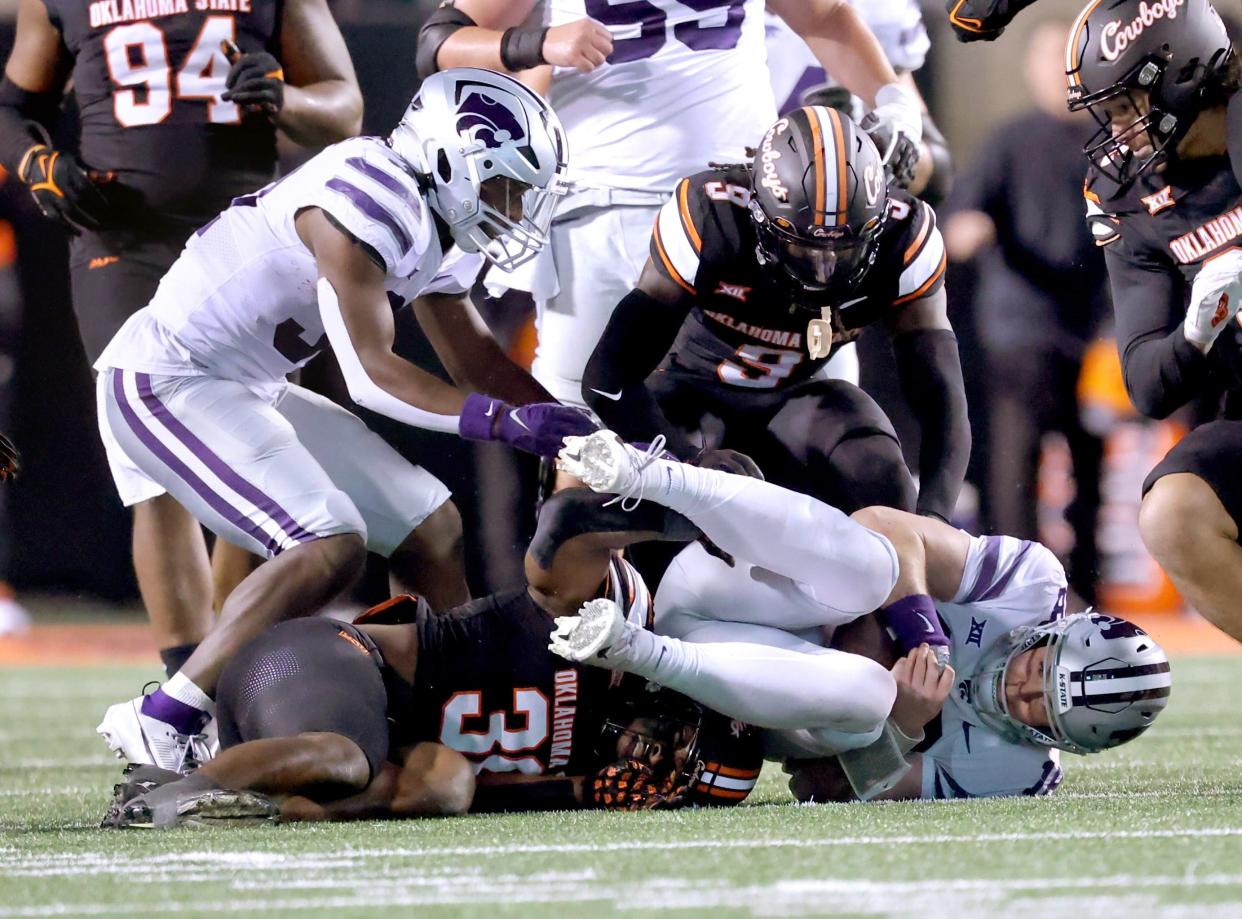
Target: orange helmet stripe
{"points": [[1071, 47], [817, 148]]}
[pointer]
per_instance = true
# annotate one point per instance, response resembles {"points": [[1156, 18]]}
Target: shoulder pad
{"points": [[923, 259], [374, 195]]}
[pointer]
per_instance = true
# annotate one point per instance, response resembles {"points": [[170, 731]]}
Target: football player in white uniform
{"points": [[682, 85], [747, 640], [193, 399]]}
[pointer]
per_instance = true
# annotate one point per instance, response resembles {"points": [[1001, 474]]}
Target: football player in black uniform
{"points": [[405, 713], [180, 102], [756, 275], [1164, 200]]}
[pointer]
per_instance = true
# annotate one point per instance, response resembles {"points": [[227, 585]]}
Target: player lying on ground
{"points": [[406, 713], [1029, 681], [193, 397]]}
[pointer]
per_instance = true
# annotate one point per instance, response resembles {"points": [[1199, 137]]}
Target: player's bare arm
{"points": [[37, 63], [322, 102], [639, 334], [842, 42], [931, 379], [489, 33], [470, 353], [931, 554], [358, 283]]}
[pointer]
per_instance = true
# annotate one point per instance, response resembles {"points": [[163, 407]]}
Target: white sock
{"points": [[766, 686], [183, 689], [846, 565]]}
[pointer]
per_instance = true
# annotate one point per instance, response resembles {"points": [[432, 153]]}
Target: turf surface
{"points": [[1152, 828]]}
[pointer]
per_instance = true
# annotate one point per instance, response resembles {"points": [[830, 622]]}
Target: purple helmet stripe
{"points": [[170, 459], [372, 209], [390, 182], [228, 476]]}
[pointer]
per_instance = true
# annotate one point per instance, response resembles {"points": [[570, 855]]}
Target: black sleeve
{"points": [[931, 379], [440, 25], [1162, 370], [637, 338], [20, 111]]}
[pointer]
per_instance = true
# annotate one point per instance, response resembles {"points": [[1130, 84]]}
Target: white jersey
{"points": [[681, 88], [240, 302], [897, 24], [1007, 583]]}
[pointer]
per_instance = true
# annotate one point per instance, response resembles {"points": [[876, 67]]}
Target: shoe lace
{"points": [[638, 464]]}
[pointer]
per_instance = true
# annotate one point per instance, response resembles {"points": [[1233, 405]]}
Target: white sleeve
{"points": [[362, 389]]}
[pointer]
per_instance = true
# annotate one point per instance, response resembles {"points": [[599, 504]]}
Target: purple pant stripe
{"points": [[228, 476], [170, 459]]}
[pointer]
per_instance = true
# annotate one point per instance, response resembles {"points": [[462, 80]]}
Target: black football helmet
{"points": [[818, 200], [1177, 52], [696, 756]]}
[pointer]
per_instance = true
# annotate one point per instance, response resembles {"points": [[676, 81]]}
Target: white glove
{"points": [[1214, 298], [896, 124]]}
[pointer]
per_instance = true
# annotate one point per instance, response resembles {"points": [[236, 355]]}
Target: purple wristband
{"points": [[915, 622], [478, 417]]}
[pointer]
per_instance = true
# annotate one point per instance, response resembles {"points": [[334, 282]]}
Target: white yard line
{"points": [[945, 896], [14, 863]]}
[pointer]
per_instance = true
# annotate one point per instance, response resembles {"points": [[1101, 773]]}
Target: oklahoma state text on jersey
{"points": [[148, 75]]}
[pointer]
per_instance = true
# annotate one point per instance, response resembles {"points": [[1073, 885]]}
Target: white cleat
{"points": [[138, 738], [607, 464], [597, 635]]}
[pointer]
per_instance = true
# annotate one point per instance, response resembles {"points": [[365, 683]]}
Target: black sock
{"points": [[174, 658]]}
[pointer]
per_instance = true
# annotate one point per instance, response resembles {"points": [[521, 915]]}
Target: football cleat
{"points": [[605, 463], [169, 807], [598, 635], [139, 738]]}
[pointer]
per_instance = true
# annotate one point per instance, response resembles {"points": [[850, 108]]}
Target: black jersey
{"points": [[749, 324], [1156, 236], [148, 75], [487, 686]]}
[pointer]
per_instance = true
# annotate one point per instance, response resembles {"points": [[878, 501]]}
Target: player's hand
{"points": [[631, 785], [922, 688], [982, 20], [1214, 298], [256, 81], [63, 189], [537, 428], [896, 126], [10, 459], [583, 45]]}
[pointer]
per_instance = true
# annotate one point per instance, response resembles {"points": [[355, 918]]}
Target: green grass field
{"points": [[1153, 828]]}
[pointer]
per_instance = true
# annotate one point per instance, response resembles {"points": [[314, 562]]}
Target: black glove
{"points": [[982, 20], [63, 189], [256, 81], [903, 159]]}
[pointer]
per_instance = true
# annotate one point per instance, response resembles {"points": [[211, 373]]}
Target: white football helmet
{"points": [[1105, 681], [466, 126]]}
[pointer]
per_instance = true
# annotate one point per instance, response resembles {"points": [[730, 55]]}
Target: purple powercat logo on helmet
{"points": [[485, 118]]}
